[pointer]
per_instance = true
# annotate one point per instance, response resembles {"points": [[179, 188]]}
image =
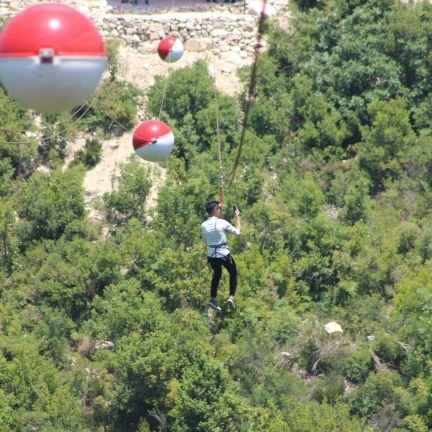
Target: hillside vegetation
{"points": [[111, 333]]}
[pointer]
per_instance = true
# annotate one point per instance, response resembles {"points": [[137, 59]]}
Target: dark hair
{"points": [[210, 206]]}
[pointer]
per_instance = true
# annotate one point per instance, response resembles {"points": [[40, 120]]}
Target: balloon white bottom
{"points": [[175, 53], [158, 151], [51, 87]]}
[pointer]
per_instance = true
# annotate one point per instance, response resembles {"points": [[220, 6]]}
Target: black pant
{"points": [[216, 264]]}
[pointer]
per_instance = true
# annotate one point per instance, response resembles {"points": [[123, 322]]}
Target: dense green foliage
{"points": [[104, 326]]}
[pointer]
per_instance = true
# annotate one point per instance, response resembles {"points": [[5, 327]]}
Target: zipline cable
{"points": [[251, 89], [218, 139]]}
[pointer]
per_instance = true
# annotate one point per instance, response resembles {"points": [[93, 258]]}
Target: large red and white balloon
{"points": [[153, 140], [51, 57], [170, 49]]}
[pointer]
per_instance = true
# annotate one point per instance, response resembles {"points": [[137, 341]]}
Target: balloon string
{"points": [[164, 92], [54, 135]]}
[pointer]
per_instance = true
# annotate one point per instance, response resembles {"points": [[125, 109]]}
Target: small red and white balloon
{"points": [[52, 57], [153, 140], [170, 49]]}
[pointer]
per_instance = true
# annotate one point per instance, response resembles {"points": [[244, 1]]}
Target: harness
{"points": [[216, 247]]}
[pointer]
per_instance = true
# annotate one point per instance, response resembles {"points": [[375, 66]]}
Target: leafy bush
{"points": [[49, 202], [130, 192], [113, 109], [89, 156], [17, 146], [358, 364], [190, 90]]}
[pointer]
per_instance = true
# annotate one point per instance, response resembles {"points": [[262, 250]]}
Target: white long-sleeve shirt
{"points": [[214, 232]]}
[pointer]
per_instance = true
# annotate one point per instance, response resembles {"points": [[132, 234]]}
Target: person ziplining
{"points": [[214, 231]]}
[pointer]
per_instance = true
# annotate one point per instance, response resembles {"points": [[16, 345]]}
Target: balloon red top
{"points": [[50, 25], [165, 45], [148, 131]]}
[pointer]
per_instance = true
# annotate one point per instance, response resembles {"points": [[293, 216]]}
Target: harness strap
{"points": [[217, 246]]}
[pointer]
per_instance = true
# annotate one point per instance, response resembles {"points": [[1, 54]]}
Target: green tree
{"points": [[17, 137], [190, 90], [113, 109], [323, 417], [410, 313], [383, 400], [39, 394], [206, 401], [8, 239], [70, 275], [89, 156], [151, 362], [58, 129], [131, 188], [386, 140], [6, 177], [47, 203], [357, 204]]}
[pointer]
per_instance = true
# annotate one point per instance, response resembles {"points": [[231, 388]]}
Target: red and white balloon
{"points": [[153, 140], [51, 57], [170, 49]]}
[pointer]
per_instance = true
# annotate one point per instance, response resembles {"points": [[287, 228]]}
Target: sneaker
{"points": [[214, 304], [231, 302]]}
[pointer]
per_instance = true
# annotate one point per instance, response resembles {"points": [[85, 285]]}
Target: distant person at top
{"points": [[214, 231]]}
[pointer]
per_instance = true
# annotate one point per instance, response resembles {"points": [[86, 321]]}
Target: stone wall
{"points": [[199, 32]]}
